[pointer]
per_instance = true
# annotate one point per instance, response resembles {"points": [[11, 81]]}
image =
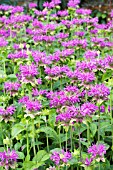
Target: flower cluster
{"points": [[61, 157], [7, 113], [8, 159], [96, 152], [31, 106]]}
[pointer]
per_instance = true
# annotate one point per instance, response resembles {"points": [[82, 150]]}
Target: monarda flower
{"points": [[83, 11], [32, 5], [77, 114], [85, 66], [109, 61], [61, 157], [88, 109], [18, 55], [99, 91], [62, 13], [111, 14], [17, 9], [8, 159], [91, 54], [56, 71], [97, 150], [73, 3], [3, 42], [31, 106], [28, 73], [7, 113], [12, 87]]}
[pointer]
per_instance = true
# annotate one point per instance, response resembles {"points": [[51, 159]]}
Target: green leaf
{"points": [[16, 129], [17, 146], [41, 156], [50, 132], [20, 155], [12, 77], [107, 75], [52, 118], [93, 128]]}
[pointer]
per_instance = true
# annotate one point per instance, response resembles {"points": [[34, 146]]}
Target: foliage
{"points": [[56, 88]]}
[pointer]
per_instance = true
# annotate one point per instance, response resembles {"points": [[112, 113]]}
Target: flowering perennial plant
{"points": [[56, 88]]}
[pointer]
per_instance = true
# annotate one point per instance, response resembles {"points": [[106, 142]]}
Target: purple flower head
{"points": [[86, 78], [85, 66], [12, 87], [6, 7], [83, 11], [88, 161], [88, 109], [89, 55], [97, 150], [73, 3], [39, 81], [94, 31], [109, 61], [17, 9], [60, 157], [18, 55], [33, 105], [62, 13], [41, 13], [24, 99], [32, 5], [111, 14], [28, 72], [57, 70], [51, 4], [99, 91], [3, 42], [80, 33], [8, 159], [36, 92], [8, 111]]}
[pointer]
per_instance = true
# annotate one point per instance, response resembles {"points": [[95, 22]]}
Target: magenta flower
{"points": [[111, 14], [8, 111], [32, 5], [83, 11], [12, 87], [30, 105], [73, 3], [99, 91], [88, 109], [61, 157], [97, 150], [8, 159]]}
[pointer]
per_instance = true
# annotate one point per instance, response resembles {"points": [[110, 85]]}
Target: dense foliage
{"points": [[56, 92]]}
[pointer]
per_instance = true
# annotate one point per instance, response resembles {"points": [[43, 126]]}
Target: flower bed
{"points": [[56, 93]]}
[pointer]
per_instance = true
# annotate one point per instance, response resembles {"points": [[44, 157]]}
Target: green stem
{"points": [[51, 85], [88, 134], [59, 139], [4, 67], [71, 137], [99, 128], [27, 142], [33, 129], [47, 140], [66, 141], [80, 145], [111, 117]]}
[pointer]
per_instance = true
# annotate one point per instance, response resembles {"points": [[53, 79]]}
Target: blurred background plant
{"points": [[100, 8]]}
